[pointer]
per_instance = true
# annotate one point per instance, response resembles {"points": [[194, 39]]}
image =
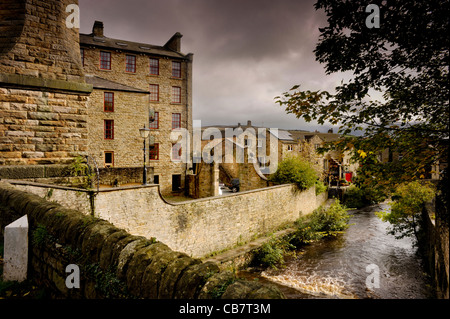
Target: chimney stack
{"points": [[97, 29], [249, 123]]}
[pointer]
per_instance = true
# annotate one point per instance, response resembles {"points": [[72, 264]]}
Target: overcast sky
{"points": [[246, 52]]}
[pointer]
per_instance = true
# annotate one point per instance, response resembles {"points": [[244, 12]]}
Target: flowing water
{"points": [[364, 262]]}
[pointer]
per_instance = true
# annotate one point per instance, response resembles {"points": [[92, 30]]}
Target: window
{"points": [[154, 66], [130, 63], [176, 69], [105, 60], [176, 120], [155, 124], [109, 159], [156, 179], [176, 94], [154, 152], [154, 92], [109, 129], [176, 152], [82, 56], [108, 102], [290, 147]]}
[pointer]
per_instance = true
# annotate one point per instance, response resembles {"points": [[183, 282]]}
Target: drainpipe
{"points": [[188, 86]]}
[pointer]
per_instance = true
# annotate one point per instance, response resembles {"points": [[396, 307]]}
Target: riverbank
{"points": [[365, 262]]}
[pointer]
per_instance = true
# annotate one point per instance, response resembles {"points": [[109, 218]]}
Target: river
{"points": [[364, 262]]}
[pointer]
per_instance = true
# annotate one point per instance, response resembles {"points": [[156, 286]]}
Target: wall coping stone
{"points": [[32, 82]]}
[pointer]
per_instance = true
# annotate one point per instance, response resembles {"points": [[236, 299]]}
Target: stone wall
{"points": [[113, 263], [43, 94], [41, 127], [435, 245], [36, 42], [197, 227]]}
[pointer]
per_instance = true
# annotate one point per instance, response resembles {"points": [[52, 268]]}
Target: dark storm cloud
{"points": [[246, 52]]}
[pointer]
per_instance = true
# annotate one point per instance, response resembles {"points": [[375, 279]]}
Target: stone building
{"points": [[329, 166], [64, 94], [132, 80]]}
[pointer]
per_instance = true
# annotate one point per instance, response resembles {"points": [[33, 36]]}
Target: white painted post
{"points": [[16, 250]]}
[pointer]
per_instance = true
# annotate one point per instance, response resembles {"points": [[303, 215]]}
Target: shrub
{"points": [[271, 253], [295, 170], [320, 187], [356, 197], [321, 223], [405, 212]]}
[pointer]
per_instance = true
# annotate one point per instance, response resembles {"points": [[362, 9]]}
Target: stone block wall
{"points": [[43, 94], [435, 246], [35, 42], [113, 263], [197, 227], [41, 127]]}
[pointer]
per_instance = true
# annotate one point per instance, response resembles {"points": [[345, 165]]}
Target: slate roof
{"points": [[103, 84], [110, 43], [284, 136]]}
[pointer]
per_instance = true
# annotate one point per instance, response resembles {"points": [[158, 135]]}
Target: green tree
{"points": [[295, 170], [405, 212], [405, 61]]}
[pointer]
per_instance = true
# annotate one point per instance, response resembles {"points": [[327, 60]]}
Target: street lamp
{"points": [[144, 134]]}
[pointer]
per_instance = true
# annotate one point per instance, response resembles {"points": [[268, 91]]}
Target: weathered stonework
{"points": [[112, 262], [196, 227], [39, 127], [43, 95]]}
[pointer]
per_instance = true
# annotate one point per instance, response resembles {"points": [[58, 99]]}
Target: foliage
{"points": [[79, 168], [218, 291], [106, 281], [295, 170], [356, 197], [271, 253], [405, 64], [405, 212], [40, 235], [323, 222], [320, 187]]}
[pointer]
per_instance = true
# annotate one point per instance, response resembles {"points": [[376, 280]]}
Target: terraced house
{"points": [[137, 85]]}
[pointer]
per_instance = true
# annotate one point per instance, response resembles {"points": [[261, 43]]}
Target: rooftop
{"points": [[97, 39], [100, 83]]}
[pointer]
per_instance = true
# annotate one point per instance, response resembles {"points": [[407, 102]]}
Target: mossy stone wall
{"points": [[112, 262]]}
